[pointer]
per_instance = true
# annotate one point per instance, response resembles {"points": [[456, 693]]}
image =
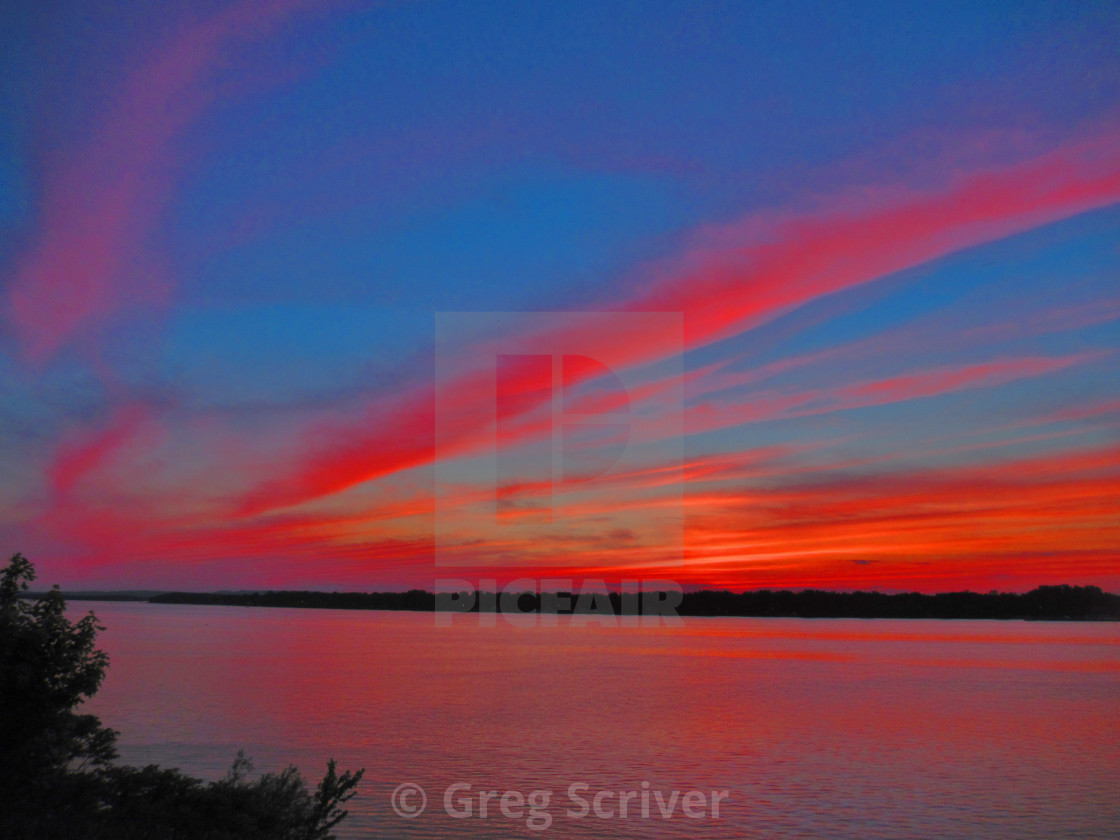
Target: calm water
{"points": [[816, 728]]}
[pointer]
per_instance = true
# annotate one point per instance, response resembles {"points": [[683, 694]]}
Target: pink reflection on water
{"points": [[838, 728]]}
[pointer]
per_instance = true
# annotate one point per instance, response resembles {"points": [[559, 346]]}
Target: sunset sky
{"points": [[344, 295]]}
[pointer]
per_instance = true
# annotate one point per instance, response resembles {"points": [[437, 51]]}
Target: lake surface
{"points": [[815, 728]]}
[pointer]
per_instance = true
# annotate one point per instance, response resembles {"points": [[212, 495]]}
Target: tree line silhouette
{"points": [[1055, 603]]}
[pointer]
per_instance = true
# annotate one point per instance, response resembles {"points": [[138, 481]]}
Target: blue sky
{"points": [[226, 229]]}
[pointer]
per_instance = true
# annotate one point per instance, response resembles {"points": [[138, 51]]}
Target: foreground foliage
{"points": [[57, 776]]}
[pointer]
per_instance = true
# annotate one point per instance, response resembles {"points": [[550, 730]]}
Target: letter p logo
{"points": [[587, 424]]}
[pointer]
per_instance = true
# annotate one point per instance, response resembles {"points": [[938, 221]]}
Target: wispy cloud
{"points": [[736, 285], [102, 202]]}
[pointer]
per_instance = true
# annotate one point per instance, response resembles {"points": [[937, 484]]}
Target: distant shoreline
{"points": [[1046, 603]]}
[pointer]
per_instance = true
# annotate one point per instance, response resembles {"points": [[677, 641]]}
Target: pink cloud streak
{"points": [[746, 280], [101, 203]]}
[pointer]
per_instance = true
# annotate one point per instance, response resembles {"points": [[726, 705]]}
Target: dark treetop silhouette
{"points": [[57, 776], [1056, 603]]}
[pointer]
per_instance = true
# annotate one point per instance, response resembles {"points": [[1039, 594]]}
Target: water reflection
{"points": [[817, 728]]}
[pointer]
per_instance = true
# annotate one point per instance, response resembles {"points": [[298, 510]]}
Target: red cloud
{"points": [[726, 289]]}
